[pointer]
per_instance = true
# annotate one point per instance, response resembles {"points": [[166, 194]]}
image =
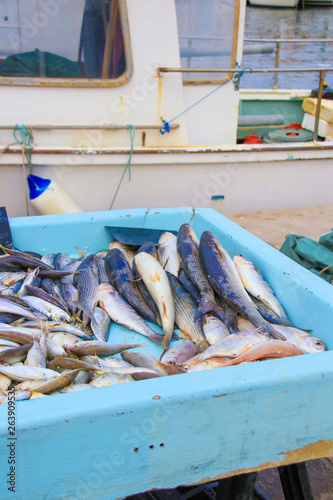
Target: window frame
{"points": [[84, 82], [205, 81]]}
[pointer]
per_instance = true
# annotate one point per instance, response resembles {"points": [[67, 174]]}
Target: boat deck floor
{"points": [[273, 226]]}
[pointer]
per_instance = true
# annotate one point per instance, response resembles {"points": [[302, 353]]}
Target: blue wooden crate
{"points": [[160, 433]]}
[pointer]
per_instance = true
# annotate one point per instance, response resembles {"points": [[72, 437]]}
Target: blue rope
{"points": [[166, 127], [131, 130]]}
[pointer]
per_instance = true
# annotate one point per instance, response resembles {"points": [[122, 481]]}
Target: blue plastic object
{"points": [[37, 185], [115, 441]]}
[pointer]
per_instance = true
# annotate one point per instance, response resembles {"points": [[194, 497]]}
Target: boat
{"points": [[274, 3], [144, 114]]}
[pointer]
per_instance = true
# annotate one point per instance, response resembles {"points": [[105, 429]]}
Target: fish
{"points": [[69, 271], [36, 355], [102, 275], [61, 260], [99, 348], [121, 277], [185, 311], [28, 280], [22, 259], [61, 363], [7, 306], [244, 324], [138, 359], [22, 373], [188, 249], [86, 282], [213, 328], [270, 349], [121, 312], [107, 379], [180, 353], [71, 295], [101, 327], [223, 276], [55, 384], [126, 249], [167, 253], [14, 354], [258, 287], [189, 287], [18, 396], [10, 279], [157, 282], [308, 343], [148, 247], [38, 292], [46, 308], [229, 347]]}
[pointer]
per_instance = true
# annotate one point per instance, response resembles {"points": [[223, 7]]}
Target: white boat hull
{"points": [[229, 179]]}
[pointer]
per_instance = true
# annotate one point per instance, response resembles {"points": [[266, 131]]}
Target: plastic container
{"points": [[112, 442], [325, 129]]}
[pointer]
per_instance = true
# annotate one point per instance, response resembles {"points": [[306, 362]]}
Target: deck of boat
{"points": [[273, 226]]}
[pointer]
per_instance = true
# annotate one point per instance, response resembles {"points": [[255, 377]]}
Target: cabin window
{"points": [[64, 39], [207, 37]]}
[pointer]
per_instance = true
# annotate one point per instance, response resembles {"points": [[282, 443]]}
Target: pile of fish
{"points": [[56, 313]]}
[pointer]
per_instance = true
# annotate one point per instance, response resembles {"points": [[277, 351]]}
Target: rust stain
{"points": [[164, 310], [155, 277], [320, 449]]}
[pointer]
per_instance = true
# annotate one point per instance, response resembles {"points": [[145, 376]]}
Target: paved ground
{"points": [[273, 226]]}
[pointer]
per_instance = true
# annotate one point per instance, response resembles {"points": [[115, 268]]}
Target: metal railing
{"points": [[278, 43], [231, 71]]}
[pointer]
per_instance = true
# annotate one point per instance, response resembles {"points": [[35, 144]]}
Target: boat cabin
{"points": [[69, 64]]}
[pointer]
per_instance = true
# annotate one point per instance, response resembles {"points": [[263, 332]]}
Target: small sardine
{"points": [[21, 373]]}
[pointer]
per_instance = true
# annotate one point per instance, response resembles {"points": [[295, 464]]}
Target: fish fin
{"points": [[82, 253], [207, 306]]}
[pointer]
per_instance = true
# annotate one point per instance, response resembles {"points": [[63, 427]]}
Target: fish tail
{"points": [[206, 307], [166, 343], [274, 333], [86, 309]]}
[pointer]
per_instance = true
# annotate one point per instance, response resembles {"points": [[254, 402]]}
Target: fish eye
{"points": [[318, 343]]}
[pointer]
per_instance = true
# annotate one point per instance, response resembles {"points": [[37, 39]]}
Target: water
{"points": [[310, 22]]}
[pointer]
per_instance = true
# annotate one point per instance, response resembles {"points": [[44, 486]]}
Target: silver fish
{"points": [[36, 356], [214, 329], [308, 343], [50, 310], [101, 327], [180, 353], [121, 312], [168, 254], [258, 287], [99, 348], [11, 307], [156, 280], [21, 373], [107, 379]]}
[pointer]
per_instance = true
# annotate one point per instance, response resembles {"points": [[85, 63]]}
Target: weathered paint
{"points": [[111, 442]]}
